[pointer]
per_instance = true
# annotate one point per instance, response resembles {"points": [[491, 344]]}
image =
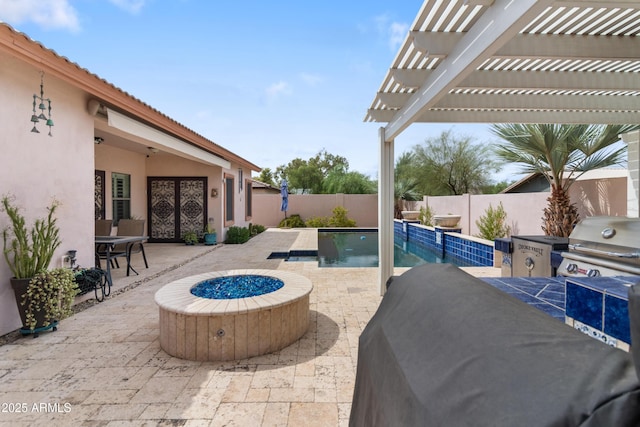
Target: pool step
{"points": [[295, 255]]}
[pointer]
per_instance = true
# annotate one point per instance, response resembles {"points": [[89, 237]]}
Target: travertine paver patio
{"points": [[104, 365]]}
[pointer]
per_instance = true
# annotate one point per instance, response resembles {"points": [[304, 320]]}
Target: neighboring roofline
{"points": [[20, 46], [264, 185], [600, 173], [520, 182]]}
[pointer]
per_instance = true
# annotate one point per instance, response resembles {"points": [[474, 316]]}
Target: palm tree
{"points": [[561, 153], [405, 184]]}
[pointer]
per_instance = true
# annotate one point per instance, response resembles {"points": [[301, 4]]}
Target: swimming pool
{"points": [[359, 248]]}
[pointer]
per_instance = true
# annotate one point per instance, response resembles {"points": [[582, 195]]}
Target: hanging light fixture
{"points": [[35, 118]]}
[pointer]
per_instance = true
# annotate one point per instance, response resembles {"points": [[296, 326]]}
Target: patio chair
{"points": [[103, 227], [130, 227]]}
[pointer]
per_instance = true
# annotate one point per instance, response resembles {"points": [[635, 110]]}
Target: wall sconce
{"points": [[214, 192], [36, 118], [98, 140]]}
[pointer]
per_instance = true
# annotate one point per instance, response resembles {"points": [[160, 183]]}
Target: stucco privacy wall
{"points": [[36, 168], [524, 210], [363, 208], [592, 197]]}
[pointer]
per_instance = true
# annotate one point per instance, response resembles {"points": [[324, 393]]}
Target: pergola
{"points": [[506, 61]]}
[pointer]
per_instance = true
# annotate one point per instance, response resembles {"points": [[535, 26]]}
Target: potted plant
{"points": [[210, 235], [190, 238], [49, 298], [28, 252]]}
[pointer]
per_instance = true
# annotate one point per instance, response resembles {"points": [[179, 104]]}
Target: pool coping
{"points": [[176, 296]]}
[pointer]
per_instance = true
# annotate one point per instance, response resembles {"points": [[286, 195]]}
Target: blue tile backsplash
{"points": [[449, 242], [584, 304], [601, 303]]}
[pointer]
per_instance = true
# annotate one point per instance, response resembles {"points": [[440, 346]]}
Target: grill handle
{"points": [[579, 248]]}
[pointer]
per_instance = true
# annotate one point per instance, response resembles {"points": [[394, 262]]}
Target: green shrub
{"points": [[294, 221], [426, 216], [256, 229], [237, 235], [493, 225], [318, 222], [190, 238], [339, 218]]}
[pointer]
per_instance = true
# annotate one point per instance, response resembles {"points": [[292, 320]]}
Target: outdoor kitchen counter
{"points": [[599, 306]]}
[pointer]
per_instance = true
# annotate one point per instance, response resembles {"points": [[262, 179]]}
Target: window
{"points": [[249, 201], [228, 199], [121, 196]]}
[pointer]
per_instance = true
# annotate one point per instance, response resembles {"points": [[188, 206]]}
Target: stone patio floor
{"points": [[104, 366]]}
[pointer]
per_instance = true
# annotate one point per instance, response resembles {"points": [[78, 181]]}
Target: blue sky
{"points": [[268, 80]]}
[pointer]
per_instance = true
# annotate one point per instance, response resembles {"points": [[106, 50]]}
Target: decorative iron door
{"points": [[176, 206], [98, 195]]}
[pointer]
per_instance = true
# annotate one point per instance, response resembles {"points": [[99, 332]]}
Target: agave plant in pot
{"points": [[43, 296]]}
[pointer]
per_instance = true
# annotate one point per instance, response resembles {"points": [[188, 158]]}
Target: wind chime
{"points": [[42, 107]]}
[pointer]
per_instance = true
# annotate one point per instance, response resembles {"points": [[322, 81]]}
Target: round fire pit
{"points": [[223, 324]]}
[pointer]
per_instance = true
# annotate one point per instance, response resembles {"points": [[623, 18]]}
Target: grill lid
{"points": [[612, 237]]}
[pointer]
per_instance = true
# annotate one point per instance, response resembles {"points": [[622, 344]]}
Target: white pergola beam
{"points": [[516, 116], [526, 79], [410, 78], [459, 101], [558, 80], [494, 29], [521, 116], [539, 46], [596, 3]]}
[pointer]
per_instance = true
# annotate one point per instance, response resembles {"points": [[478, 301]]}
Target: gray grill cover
{"points": [[447, 349]]}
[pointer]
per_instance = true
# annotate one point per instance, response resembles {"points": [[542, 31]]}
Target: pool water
{"points": [[240, 286], [360, 249]]}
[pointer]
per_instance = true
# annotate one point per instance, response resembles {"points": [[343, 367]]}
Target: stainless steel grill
{"points": [[603, 246]]}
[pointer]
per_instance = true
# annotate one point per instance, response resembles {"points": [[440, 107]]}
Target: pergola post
{"points": [[632, 139], [385, 211]]}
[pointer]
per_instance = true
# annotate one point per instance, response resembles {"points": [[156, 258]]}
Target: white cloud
{"points": [[397, 34], [49, 14], [311, 79], [276, 89], [394, 32], [131, 6]]}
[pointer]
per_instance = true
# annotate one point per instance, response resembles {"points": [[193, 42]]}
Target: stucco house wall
{"points": [[36, 168], [110, 160]]}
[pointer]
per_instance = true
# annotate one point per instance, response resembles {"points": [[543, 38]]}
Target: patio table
{"points": [[109, 242]]}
